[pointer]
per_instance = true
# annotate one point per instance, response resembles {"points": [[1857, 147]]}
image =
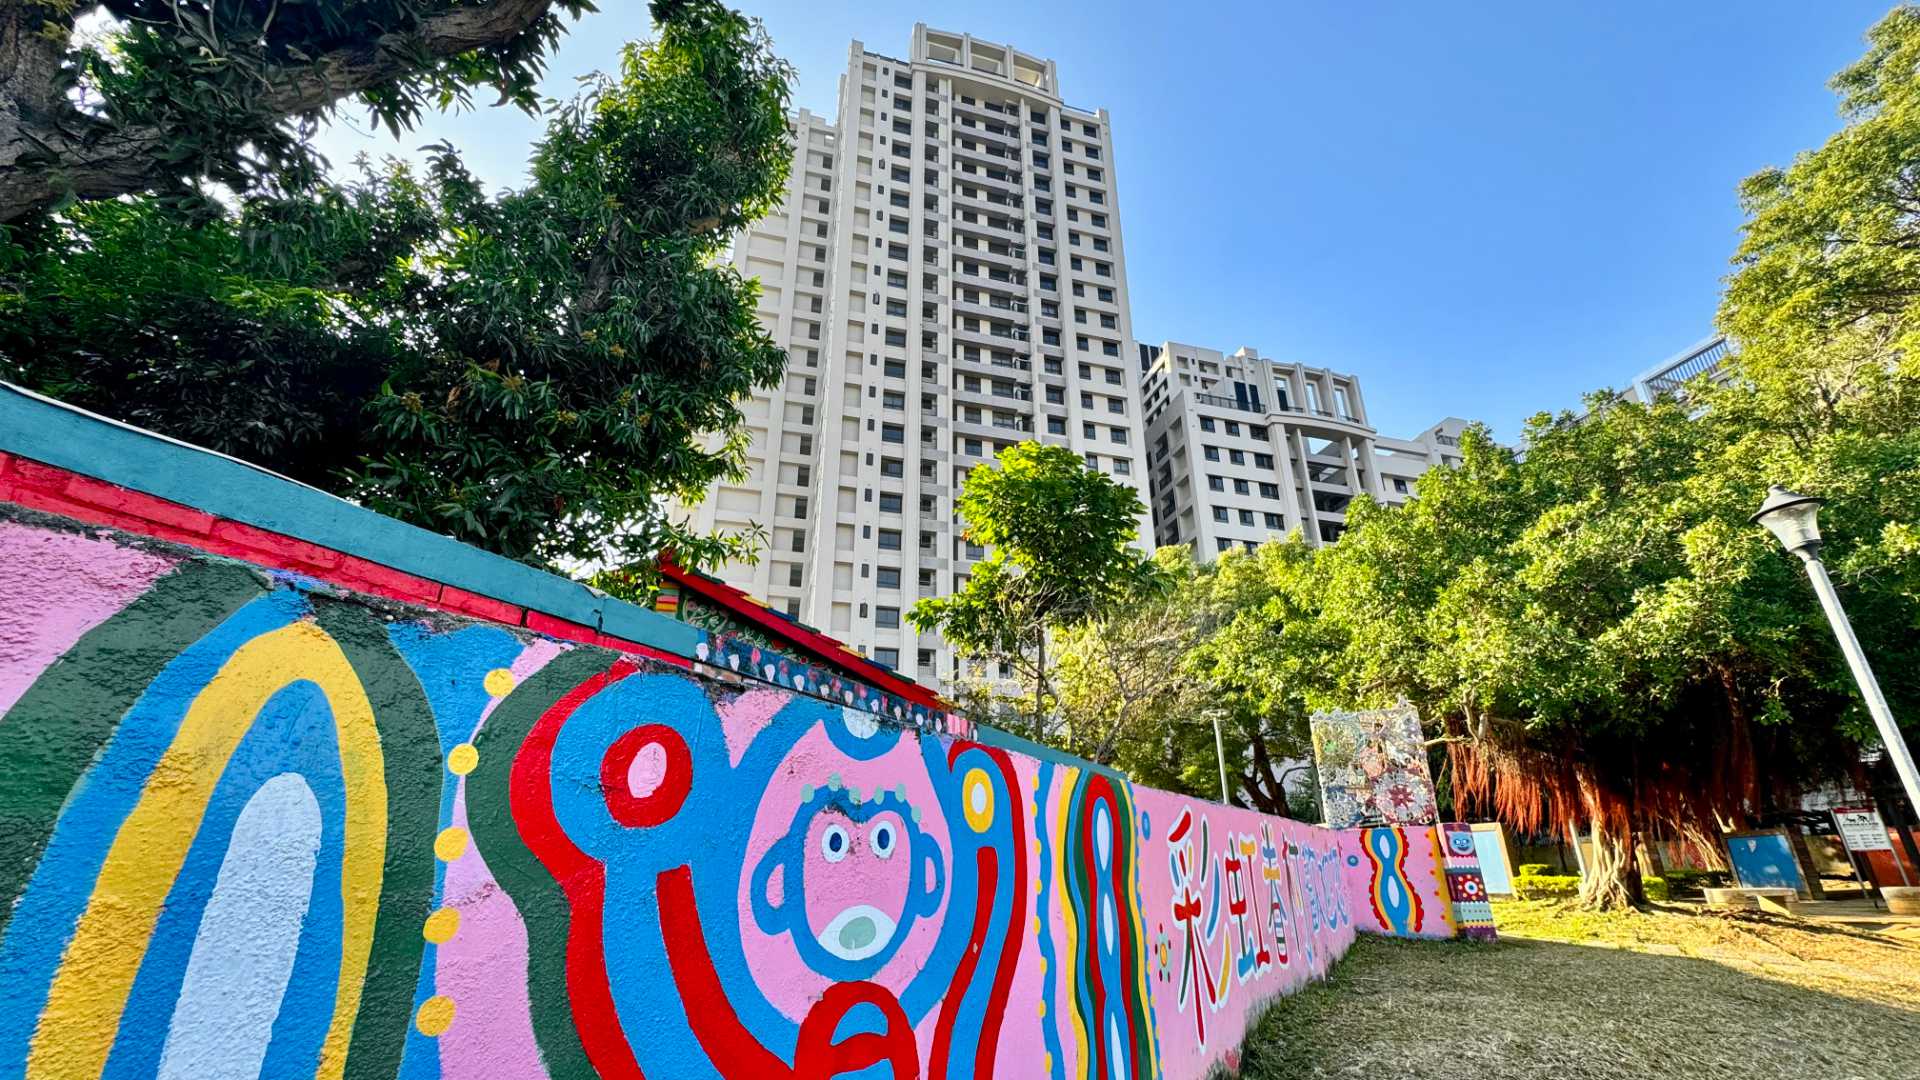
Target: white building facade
{"points": [[948, 277], [1243, 449]]}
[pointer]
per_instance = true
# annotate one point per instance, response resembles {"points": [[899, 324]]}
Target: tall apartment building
{"points": [[947, 274], [1242, 449]]}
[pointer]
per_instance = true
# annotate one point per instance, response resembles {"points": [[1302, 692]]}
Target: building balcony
{"points": [[1013, 257], [964, 126], [991, 202], [1009, 182], [1011, 233], [993, 305], [985, 153], [992, 277]]}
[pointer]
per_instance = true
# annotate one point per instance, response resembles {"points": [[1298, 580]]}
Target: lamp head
{"points": [[1793, 519]]}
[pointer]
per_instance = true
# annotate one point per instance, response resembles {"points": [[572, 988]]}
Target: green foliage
{"points": [[534, 372], [1532, 883], [185, 92], [1061, 537]]}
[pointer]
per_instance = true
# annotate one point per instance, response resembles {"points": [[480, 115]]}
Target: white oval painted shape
{"points": [[249, 936]]}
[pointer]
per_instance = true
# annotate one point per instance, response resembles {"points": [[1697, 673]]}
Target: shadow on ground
{"points": [[1525, 1009]]}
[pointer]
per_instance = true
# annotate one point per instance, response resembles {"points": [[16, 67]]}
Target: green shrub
{"points": [[1537, 886], [1532, 884], [1690, 882]]}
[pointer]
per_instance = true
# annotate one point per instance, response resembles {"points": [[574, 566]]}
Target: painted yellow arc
{"points": [[88, 995]]}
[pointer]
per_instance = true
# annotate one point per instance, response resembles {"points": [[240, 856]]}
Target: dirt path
{"points": [[1672, 994]]}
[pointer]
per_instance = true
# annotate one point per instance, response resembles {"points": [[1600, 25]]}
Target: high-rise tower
{"points": [[948, 276]]}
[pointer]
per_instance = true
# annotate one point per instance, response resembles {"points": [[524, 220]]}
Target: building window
{"points": [[1399, 485], [1211, 453], [1246, 517], [1206, 423], [887, 657], [886, 577], [1262, 461], [1215, 483], [889, 539], [889, 502], [1273, 521], [1220, 514]]}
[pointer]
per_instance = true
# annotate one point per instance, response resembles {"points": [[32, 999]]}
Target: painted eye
{"points": [[881, 840], [833, 844]]}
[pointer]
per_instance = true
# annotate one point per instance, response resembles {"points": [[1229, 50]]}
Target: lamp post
{"points": [[1793, 520], [1220, 755]]}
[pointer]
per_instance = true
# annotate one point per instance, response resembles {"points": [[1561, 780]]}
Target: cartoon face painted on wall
{"points": [[848, 879]]}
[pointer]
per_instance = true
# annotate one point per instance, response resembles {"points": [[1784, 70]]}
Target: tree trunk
{"points": [[1612, 882]]}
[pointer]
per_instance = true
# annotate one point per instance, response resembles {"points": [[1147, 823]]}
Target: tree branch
{"points": [[50, 149]]}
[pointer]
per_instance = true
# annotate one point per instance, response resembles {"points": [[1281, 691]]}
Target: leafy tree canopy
{"points": [[186, 91], [1062, 537], [534, 371]]}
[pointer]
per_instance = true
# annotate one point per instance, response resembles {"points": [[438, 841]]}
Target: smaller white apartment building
{"points": [[1242, 449]]}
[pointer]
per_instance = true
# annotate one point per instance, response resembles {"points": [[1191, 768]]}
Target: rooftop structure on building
{"points": [[1243, 449], [1704, 357], [947, 275]]}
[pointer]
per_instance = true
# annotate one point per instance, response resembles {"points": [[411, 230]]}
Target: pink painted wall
{"points": [[431, 846], [1396, 881]]}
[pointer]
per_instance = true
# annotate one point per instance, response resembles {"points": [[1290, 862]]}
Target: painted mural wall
{"points": [[256, 826]]}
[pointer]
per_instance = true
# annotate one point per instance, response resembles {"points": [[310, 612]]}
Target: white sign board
{"points": [[1861, 828]]}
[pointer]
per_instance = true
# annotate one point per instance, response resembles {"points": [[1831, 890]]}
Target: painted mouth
{"points": [[858, 932]]}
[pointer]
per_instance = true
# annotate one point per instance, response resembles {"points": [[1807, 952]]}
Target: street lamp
{"points": [[1794, 520]]}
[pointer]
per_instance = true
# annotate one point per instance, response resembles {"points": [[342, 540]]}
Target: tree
{"points": [[1602, 640], [1062, 537], [1119, 685], [187, 91], [1825, 303], [1226, 643], [534, 372]]}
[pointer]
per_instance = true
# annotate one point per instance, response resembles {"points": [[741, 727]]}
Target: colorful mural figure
{"points": [[1373, 768], [1466, 886], [259, 827], [1396, 905]]}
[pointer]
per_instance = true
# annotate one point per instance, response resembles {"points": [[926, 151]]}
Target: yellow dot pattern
{"points": [[435, 1016], [441, 925], [450, 844], [499, 682], [461, 759], [976, 795]]}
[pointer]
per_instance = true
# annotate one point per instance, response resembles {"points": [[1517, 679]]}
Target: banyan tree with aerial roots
{"points": [[1685, 780]]}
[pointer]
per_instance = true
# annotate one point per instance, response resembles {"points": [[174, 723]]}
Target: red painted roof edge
{"points": [[831, 650]]}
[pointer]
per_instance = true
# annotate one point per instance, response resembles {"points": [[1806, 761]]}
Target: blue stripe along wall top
{"points": [[50, 432]]}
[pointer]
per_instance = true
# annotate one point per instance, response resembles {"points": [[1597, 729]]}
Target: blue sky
{"points": [[1481, 209]]}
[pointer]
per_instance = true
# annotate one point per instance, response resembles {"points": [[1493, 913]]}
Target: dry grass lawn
{"points": [[1676, 993]]}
